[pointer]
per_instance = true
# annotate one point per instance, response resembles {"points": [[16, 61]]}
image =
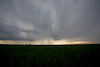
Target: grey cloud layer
{"points": [[44, 19]]}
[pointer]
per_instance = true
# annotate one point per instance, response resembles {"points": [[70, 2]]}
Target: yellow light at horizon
{"points": [[59, 42], [44, 42]]}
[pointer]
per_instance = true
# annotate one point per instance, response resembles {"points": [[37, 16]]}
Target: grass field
{"points": [[50, 56]]}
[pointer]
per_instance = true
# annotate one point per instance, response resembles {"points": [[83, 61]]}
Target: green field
{"points": [[50, 56]]}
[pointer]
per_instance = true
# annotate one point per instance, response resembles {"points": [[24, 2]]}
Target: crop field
{"points": [[50, 56]]}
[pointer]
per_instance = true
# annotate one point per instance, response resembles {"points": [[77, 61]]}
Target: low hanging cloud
{"points": [[32, 20]]}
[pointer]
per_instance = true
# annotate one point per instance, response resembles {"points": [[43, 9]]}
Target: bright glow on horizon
{"points": [[50, 41], [44, 42]]}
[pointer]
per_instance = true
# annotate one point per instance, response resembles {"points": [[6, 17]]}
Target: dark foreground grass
{"points": [[50, 56]]}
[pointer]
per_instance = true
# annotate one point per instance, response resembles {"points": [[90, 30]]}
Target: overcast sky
{"points": [[31, 20]]}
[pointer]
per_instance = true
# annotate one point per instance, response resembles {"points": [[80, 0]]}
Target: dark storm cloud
{"points": [[43, 19], [10, 32]]}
